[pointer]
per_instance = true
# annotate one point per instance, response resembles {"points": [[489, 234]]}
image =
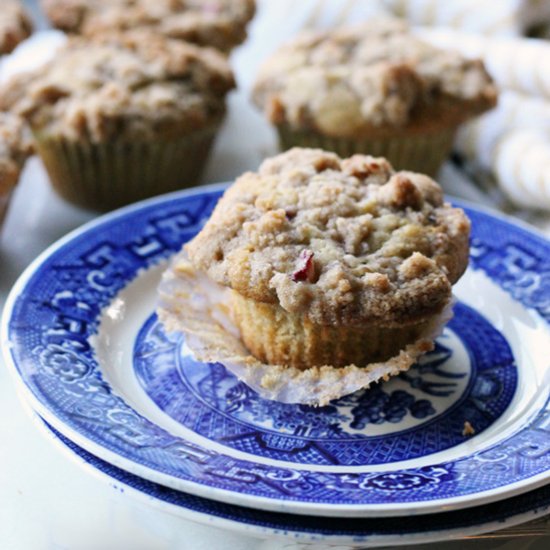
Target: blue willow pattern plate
{"points": [[363, 532], [80, 331]]}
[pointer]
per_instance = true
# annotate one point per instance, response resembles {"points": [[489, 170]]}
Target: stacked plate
{"points": [[458, 445]]}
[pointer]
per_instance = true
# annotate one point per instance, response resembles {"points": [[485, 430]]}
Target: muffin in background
{"points": [[333, 261], [375, 89], [15, 147], [124, 116], [15, 25], [217, 23]]}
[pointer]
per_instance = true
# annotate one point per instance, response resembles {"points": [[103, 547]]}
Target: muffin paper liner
{"points": [[424, 153], [103, 176], [191, 303]]}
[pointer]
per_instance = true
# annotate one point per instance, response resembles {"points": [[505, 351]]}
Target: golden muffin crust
{"points": [[341, 241], [15, 147], [15, 25], [370, 80], [217, 23], [134, 85]]}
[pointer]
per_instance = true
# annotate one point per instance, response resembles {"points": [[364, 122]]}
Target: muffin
{"points": [[123, 117], [15, 25], [373, 89], [15, 147], [332, 261], [217, 23]]}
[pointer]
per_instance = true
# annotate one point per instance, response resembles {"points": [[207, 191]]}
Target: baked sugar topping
{"points": [[363, 244]]}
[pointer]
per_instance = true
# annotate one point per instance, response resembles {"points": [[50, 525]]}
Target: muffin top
{"points": [[15, 25], [127, 85], [345, 241], [217, 23], [370, 79], [15, 147]]}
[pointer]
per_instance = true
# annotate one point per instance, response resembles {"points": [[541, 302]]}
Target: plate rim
{"points": [[282, 531], [201, 489]]}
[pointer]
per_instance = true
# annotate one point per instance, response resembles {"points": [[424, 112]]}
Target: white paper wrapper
{"points": [[192, 304]]}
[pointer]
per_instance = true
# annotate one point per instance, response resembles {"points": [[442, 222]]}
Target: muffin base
{"points": [[421, 152], [103, 176], [277, 337]]}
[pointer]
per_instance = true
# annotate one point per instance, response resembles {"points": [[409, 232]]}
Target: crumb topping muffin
{"points": [[217, 23], [15, 147], [338, 241], [368, 80], [132, 85], [123, 116], [15, 25]]}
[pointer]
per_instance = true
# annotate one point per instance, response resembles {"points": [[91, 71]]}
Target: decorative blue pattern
{"points": [[362, 528], [511, 258], [55, 311], [212, 402]]}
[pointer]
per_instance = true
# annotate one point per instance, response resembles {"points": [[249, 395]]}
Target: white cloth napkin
{"points": [[513, 140], [521, 64], [486, 17], [521, 165], [515, 112]]}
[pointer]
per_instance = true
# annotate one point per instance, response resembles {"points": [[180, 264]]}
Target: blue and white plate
{"points": [[351, 532], [81, 335]]}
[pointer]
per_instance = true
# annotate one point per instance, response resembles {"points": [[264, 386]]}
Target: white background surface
{"points": [[47, 500]]}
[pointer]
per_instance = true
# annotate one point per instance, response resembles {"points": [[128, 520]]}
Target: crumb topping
{"points": [[217, 23], [134, 85], [15, 25], [370, 77], [339, 240], [468, 430], [15, 147]]}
